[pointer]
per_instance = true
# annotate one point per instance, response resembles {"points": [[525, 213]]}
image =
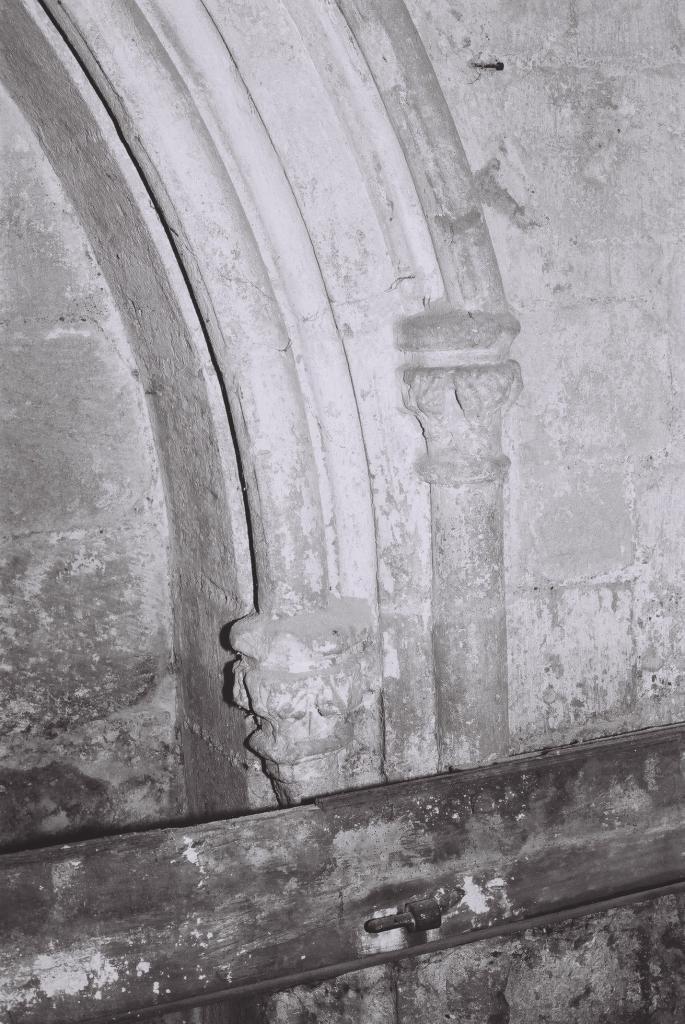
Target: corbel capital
{"points": [[306, 678], [459, 409]]}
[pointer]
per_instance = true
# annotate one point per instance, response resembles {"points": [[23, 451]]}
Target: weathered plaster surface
{"points": [[87, 718], [575, 154], [575, 150]]}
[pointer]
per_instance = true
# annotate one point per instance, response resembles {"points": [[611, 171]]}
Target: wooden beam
{"points": [[126, 925]]}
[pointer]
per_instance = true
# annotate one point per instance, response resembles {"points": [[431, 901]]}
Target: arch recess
{"points": [[323, 214], [209, 549]]}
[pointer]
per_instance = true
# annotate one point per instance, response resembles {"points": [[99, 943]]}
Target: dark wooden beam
{"points": [[126, 925]]}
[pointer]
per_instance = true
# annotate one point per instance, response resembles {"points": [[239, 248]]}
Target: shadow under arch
{"points": [[210, 566]]}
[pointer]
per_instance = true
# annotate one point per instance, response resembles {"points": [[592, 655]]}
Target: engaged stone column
{"points": [[458, 387], [310, 682]]}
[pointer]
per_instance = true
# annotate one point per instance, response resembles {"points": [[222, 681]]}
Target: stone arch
{"points": [[330, 264], [209, 551]]}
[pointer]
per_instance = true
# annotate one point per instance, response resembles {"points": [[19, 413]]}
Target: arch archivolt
{"points": [[324, 219]]}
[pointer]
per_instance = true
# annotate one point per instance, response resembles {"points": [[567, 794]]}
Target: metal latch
{"points": [[418, 915]]}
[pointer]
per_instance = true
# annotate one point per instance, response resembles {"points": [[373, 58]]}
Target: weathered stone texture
{"points": [[574, 150], [308, 681], [103, 776], [573, 145], [83, 627], [622, 967], [87, 718]]}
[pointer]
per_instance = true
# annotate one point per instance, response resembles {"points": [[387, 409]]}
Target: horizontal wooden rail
{"points": [[123, 926]]}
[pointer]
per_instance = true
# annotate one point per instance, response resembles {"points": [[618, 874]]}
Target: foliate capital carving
{"points": [[459, 409], [306, 679]]}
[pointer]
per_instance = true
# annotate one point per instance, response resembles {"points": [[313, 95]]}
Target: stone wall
{"points": [[87, 706], [623, 967], [573, 145], [574, 149]]}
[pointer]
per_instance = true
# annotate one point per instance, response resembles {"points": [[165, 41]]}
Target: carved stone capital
{"points": [[459, 409], [306, 679]]}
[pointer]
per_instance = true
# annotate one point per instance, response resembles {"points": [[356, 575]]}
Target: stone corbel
{"points": [[309, 680]]}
